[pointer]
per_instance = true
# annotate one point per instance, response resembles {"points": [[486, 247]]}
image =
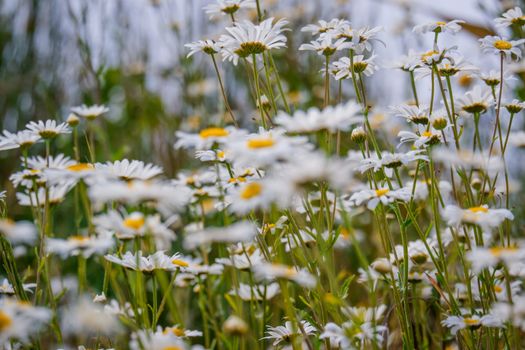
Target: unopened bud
{"points": [[358, 135], [72, 120], [235, 326]]}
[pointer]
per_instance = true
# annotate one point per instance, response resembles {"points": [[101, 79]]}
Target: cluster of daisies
{"points": [[346, 226]]}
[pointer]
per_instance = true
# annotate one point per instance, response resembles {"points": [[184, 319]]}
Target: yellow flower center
{"points": [[220, 154], [498, 289], [78, 238], [479, 210], [427, 134], [80, 167], [5, 320], [382, 192], [251, 190], [471, 321], [180, 262], [179, 332], [237, 179], [498, 251], [441, 23], [172, 347], [213, 132], [428, 54], [134, 222], [502, 45], [260, 143]]}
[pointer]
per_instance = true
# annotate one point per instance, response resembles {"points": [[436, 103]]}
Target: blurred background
{"points": [[130, 56]]}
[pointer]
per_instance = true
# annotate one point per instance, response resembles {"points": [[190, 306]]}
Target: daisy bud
{"points": [[382, 266], [439, 123], [235, 326], [358, 135], [72, 120], [476, 183], [265, 103]]}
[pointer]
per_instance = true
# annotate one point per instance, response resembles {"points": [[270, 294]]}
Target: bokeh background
{"points": [[130, 56]]}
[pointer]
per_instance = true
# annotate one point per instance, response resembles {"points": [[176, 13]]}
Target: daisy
{"points": [[331, 118], [451, 27], [20, 232], [383, 195], [289, 332], [138, 262], [517, 139], [207, 46], [343, 67], [266, 148], [482, 216], [242, 260], [481, 257], [90, 112], [515, 106], [467, 160], [158, 340], [507, 48], [130, 170], [48, 129], [205, 139], [258, 292], [258, 195], [20, 321], [235, 325], [326, 46], [390, 161], [80, 245], [323, 26], [476, 101], [22, 139], [513, 313], [246, 39], [414, 114], [54, 195], [85, 319], [361, 39], [493, 77], [337, 335], [128, 226], [457, 323], [58, 161], [425, 139], [513, 16], [228, 7], [243, 231], [448, 68], [270, 272], [8, 289]]}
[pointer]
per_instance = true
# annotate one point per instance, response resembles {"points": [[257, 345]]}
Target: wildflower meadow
{"points": [[309, 188]]}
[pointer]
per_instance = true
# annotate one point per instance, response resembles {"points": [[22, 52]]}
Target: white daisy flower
{"points": [[243, 231], [451, 27], [289, 332], [207, 46], [517, 139], [242, 260], [22, 139], [414, 114], [130, 170], [515, 106], [8, 289], [266, 148], [332, 118], [343, 67], [477, 100], [498, 45], [54, 194], [258, 292], [481, 257], [323, 26], [21, 321], [482, 216], [493, 77], [360, 40], [457, 323], [181, 332], [86, 319], [90, 112], [383, 195], [59, 161], [20, 232], [246, 39], [158, 340], [80, 245], [256, 195], [227, 7], [326, 46], [205, 139], [424, 139], [138, 262], [511, 17], [390, 161], [467, 160], [271, 272], [48, 129], [513, 313]]}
